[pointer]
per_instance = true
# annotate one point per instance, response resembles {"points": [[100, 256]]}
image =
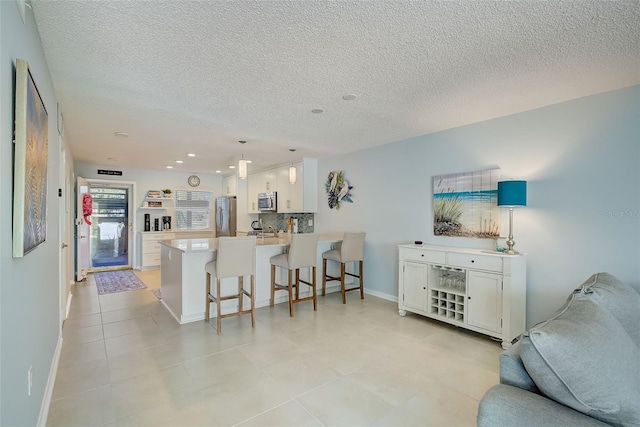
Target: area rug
{"points": [[109, 282], [157, 293]]}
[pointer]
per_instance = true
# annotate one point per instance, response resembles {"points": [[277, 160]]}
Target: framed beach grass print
{"points": [[465, 204], [31, 147]]}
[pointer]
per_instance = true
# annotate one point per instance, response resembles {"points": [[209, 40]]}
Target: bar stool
{"points": [[351, 250], [234, 258], [302, 253]]}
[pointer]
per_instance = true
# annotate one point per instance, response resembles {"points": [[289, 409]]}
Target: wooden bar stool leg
{"points": [[273, 284], [324, 276], [315, 291], [361, 281], [208, 302], [253, 302], [218, 303], [297, 283], [290, 293], [344, 292], [240, 294]]}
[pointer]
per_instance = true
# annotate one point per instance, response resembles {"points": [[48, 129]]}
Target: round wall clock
{"points": [[194, 180]]}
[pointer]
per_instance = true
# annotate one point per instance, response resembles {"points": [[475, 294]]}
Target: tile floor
{"points": [[126, 362]]}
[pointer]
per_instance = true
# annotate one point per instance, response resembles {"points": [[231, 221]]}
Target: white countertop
{"points": [[210, 245]]}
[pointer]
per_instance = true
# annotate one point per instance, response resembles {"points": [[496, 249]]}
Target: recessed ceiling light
{"points": [[179, 161], [218, 171], [191, 155], [349, 97], [232, 167], [121, 134], [317, 111], [169, 167]]}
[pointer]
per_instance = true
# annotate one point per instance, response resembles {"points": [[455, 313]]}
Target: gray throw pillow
{"points": [[584, 359], [619, 298]]}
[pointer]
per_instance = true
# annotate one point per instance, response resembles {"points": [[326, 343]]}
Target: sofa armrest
{"points": [[508, 406], [512, 370]]}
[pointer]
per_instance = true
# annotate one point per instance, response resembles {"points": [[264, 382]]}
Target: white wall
{"points": [[29, 288], [582, 163], [148, 179]]}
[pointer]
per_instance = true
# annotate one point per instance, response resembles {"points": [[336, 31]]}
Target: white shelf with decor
{"points": [[481, 291], [155, 200]]}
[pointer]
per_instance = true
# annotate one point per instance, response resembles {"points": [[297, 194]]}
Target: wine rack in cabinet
{"points": [[483, 292], [447, 293]]}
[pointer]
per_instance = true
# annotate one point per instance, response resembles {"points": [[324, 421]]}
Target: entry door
{"points": [[82, 231], [110, 229], [65, 215]]}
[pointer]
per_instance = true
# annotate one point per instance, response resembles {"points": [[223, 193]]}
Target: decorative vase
{"points": [[501, 244]]}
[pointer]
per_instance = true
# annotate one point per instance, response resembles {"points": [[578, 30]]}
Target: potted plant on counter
{"points": [[167, 192]]}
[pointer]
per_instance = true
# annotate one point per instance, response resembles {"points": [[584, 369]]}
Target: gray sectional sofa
{"points": [[579, 368]]}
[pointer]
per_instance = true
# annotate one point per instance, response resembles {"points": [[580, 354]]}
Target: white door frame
{"points": [[131, 226], [65, 237], [81, 232]]}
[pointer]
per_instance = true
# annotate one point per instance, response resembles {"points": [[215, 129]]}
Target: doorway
{"points": [[109, 230]]}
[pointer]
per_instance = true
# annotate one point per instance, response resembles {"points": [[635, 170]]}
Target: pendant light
{"points": [[242, 165], [292, 170]]}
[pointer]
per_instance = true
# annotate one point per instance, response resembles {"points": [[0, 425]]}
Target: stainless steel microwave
{"points": [[267, 202]]}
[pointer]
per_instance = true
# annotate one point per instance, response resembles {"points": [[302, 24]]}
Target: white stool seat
{"points": [[351, 250], [234, 258], [281, 260], [302, 254], [332, 255]]}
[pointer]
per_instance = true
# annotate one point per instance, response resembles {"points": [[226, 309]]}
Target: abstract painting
{"points": [[465, 204], [30, 165]]}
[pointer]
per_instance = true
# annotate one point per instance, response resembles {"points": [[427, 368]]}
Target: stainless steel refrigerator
{"points": [[225, 216]]}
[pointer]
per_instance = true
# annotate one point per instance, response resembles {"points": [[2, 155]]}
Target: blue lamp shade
{"points": [[512, 193]]}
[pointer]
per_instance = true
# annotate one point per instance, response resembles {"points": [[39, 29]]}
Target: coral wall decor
{"points": [[338, 189]]}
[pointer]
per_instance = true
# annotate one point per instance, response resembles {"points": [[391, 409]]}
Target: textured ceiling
{"points": [[197, 76]]}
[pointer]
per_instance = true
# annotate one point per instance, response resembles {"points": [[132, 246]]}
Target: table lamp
{"points": [[512, 194]]}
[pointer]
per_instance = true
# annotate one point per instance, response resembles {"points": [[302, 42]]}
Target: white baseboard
{"points": [[66, 313], [382, 295], [51, 381]]}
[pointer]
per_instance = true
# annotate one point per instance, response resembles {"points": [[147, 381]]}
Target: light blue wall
{"points": [[582, 163], [29, 288]]}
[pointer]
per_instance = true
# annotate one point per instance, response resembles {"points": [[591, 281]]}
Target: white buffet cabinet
{"points": [[473, 289]]}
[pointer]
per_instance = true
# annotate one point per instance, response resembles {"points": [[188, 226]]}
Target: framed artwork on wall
{"points": [[31, 148], [465, 204]]}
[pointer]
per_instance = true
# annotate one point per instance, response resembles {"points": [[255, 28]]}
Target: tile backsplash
{"points": [[278, 222]]}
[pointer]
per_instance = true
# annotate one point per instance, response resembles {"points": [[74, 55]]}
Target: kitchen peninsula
{"points": [[182, 274]]}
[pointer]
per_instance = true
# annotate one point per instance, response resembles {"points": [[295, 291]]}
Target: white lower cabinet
{"points": [[483, 292], [151, 248]]}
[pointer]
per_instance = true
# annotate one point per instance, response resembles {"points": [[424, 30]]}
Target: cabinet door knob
{"points": [[422, 255], [472, 261]]}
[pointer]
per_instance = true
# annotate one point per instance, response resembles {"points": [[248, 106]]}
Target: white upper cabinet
{"points": [[302, 195], [229, 185], [261, 182], [292, 198]]}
